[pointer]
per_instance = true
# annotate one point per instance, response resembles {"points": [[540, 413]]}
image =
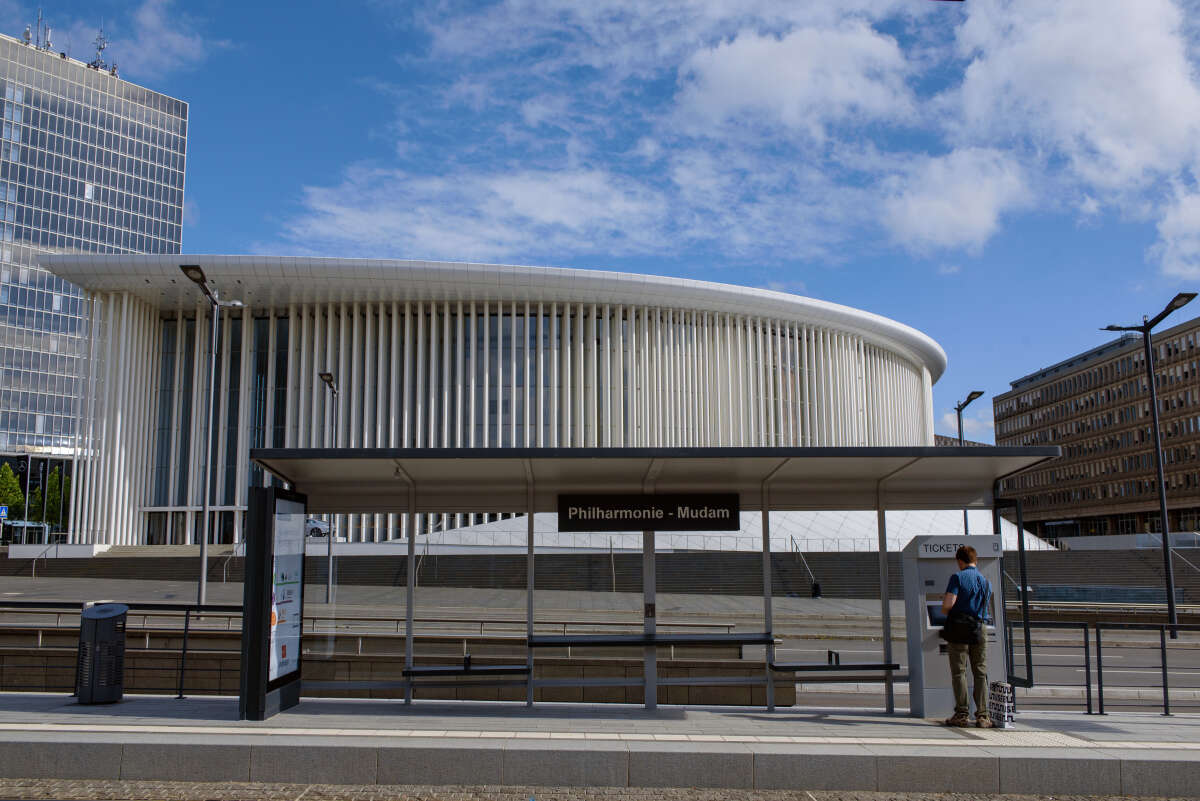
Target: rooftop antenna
{"points": [[101, 43], [38, 37], [28, 35]]}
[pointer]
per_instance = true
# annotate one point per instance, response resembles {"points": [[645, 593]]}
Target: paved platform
{"points": [[376, 742]]}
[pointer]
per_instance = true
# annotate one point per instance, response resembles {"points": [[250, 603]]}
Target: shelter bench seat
{"points": [[821, 667], [465, 670], [625, 640]]}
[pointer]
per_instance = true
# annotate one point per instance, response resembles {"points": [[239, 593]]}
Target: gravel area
{"points": [[78, 790]]}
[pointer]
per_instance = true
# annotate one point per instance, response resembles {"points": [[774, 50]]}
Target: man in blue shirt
{"points": [[968, 597]]}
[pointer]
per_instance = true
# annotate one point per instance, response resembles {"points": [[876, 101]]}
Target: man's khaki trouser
{"points": [[959, 654]]}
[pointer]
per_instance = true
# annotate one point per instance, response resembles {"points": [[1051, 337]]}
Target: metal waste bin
{"points": [[100, 669]]}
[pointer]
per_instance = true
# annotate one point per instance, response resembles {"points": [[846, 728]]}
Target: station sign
{"points": [[664, 512]]}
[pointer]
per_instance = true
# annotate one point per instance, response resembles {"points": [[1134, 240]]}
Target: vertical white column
{"points": [[512, 374], [395, 406], [419, 382], [527, 379], [447, 406], [487, 371], [200, 408], [541, 378], [174, 455], [593, 376], [408, 404], [269, 406], [289, 422], [304, 378], [245, 422], [579, 389], [314, 397], [618, 392], [222, 423], [471, 378]]}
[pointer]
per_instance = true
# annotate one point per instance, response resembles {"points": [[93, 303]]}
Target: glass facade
{"points": [[88, 163]]}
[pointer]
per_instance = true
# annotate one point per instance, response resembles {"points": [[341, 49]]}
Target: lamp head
{"points": [[975, 395], [194, 273], [1181, 300], [328, 379], [233, 304]]}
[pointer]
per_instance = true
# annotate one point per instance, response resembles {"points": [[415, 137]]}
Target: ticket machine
{"points": [[928, 565]]}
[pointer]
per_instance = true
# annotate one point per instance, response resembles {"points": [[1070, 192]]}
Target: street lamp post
{"points": [[958, 409], [1178, 302], [196, 276], [332, 385]]}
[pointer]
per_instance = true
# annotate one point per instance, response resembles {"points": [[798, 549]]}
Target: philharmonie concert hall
{"points": [[449, 355]]}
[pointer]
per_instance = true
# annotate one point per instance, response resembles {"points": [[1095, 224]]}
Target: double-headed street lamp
{"points": [[196, 276], [1178, 302], [958, 408], [332, 385]]}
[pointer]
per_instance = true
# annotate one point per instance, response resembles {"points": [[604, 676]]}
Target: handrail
{"points": [[796, 550], [42, 556], [1175, 552], [225, 564]]}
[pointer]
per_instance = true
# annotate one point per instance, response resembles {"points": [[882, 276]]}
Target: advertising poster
{"points": [[286, 589]]}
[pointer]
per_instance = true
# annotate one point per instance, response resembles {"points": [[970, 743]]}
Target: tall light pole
{"points": [[1178, 302], [958, 408], [196, 276], [332, 385]]}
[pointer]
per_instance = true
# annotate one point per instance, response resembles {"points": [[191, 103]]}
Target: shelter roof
{"points": [[447, 480]]}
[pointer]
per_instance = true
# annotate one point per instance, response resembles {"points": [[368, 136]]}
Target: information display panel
{"points": [[273, 602], [287, 589]]}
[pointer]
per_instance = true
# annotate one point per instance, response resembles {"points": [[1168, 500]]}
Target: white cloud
{"points": [[981, 424], [525, 214], [1178, 248], [1105, 84], [805, 80], [954, 201], [155, 39]]}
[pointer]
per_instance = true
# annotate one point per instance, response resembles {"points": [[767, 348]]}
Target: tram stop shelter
{"points": [[412, 481]]}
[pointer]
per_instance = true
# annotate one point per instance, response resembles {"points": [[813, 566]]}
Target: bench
{"points": [[465, 669], [628, 640], [818, 667]]}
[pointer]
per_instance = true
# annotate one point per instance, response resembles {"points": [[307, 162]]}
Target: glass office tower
{"points": [[88, 163]]}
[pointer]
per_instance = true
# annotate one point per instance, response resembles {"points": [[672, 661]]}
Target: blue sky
{"points": [[1007, 176]]}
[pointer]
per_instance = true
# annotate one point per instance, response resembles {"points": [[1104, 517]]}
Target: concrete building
{"points": [[1096, 406], [88, 163], [453, 355]]}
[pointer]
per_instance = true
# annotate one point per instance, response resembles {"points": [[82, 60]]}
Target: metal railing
{"points": [[1084, 646], [43, 556], [1157, 693], [1162, 667]]}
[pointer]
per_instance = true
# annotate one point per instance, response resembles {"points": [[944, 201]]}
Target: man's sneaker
{"points": [[960, 720], [984, 723]]}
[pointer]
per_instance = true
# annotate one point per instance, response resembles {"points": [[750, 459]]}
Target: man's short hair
{"points": [[965, 554]]}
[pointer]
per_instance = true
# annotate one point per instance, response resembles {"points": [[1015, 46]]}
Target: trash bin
{"points": [[100, 669]]}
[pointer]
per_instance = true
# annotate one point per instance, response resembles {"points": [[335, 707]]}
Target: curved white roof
{"points": [[276, 281]]}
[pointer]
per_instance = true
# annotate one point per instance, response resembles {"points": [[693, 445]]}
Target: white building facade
{"points": [[430, 354]]}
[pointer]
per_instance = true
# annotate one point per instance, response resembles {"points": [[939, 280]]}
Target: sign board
{"points": [[665, 512], [941, 550], [287, 587], [3, 512], [272, 602]]}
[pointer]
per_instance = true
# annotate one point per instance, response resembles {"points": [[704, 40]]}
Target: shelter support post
{"points": [[767, 612], [885, 603], [649, 619], [529, 505], [410, 581]]}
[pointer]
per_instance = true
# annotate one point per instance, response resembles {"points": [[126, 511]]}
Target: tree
{"points": [[54, 497], [65, 497], [10, 493], [35, 505]]}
